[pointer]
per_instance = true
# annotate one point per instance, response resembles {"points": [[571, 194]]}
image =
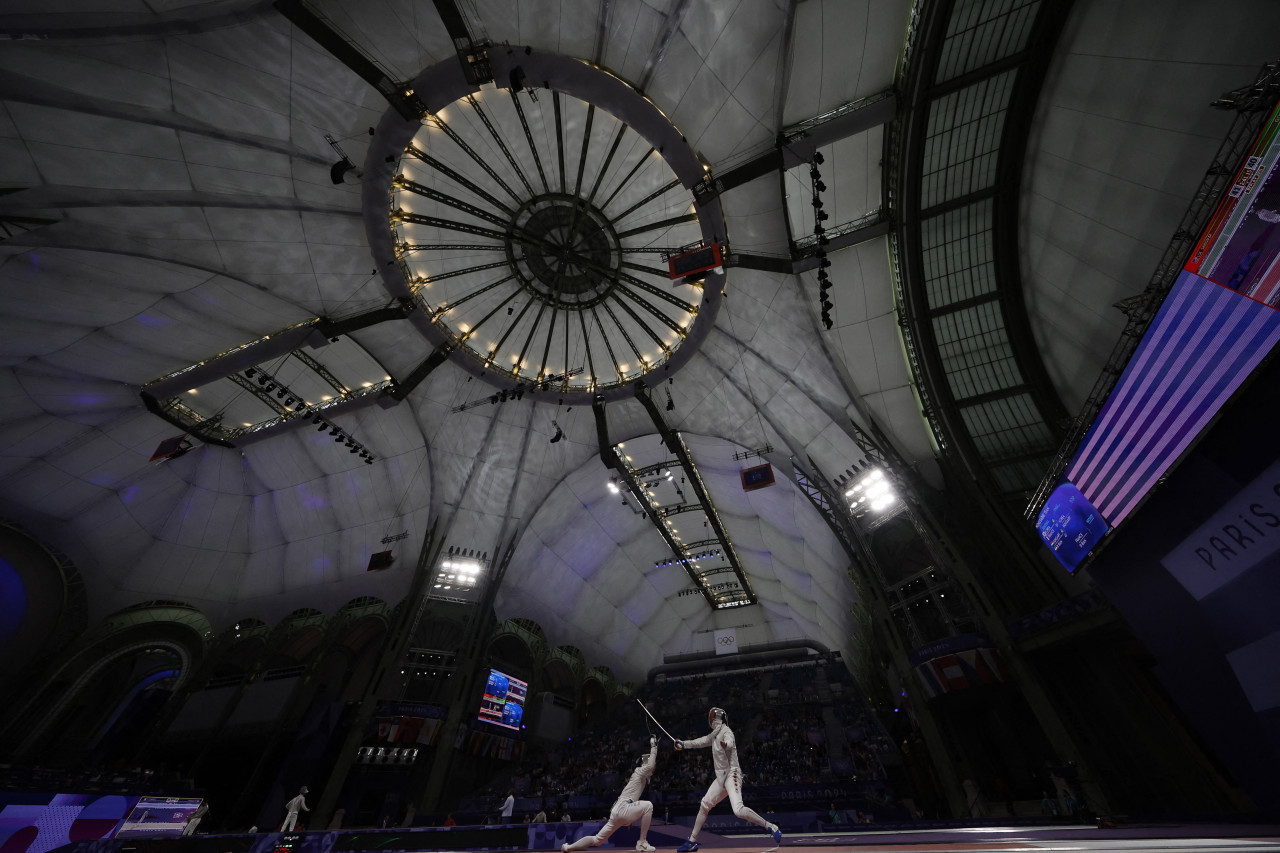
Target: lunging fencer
{"points": [[628, 808], [728, 781]]}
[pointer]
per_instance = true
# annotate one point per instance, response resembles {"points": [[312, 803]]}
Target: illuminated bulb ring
{"points": [[464, 204]]}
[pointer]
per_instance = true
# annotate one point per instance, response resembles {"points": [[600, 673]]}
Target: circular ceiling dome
{"points": [[531, 226]]}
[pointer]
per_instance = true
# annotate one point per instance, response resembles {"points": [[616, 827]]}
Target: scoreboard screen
{"points": [[695, 261], [503, 702]]}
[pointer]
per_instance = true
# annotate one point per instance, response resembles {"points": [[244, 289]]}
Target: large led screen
{"points": [[503, 702], [1218, 322], [158, 816]]}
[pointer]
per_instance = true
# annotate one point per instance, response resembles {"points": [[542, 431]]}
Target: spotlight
{"points": [[819, 231], [818, 159], [338, 439], [821, 215], [354, 450], [289, 401], [350, 442], [335, 431], [318, 420], [249, 373], [823, 239], [280, 394], [323, 426], [262, 380], [369, 461], [559, 433], [671, 404], [339, 171], [817, 202], [823, 263], [820, 186]]}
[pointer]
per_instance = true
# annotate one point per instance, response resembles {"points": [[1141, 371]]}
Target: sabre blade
{"points": [[655, 720]]}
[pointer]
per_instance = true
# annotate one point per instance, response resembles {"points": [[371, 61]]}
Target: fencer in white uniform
{"points": [[297, 804], [628, 808], [728, 781]]}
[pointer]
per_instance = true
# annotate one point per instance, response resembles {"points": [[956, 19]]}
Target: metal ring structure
{"points": [[528, 227]]}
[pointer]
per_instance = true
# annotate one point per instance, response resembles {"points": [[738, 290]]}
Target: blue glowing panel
{"points": [[503, 702], [13, 601], [1069, 525]]}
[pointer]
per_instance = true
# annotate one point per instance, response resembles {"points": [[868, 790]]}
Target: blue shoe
{"points": [[777, 834], [688, 847]]}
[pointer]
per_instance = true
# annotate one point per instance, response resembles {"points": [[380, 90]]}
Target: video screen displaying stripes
{"points": [[1216, 325]]}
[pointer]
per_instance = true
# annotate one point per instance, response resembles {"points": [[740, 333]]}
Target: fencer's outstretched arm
{"points": [[697, 743], [652, 763]]}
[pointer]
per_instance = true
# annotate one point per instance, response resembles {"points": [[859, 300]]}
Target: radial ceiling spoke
{"points": [[658, 292], [613, 149], [459, 178], [555, 96], [652, 309], [586, 342], [667, 187], [627, 179], [479, 161], [502, 146], [452, 225], [449, 201], [623, 330], [613, 359], [528, 137], [658, 226], [511, 327], [617, 297], [656, 272], [452, 247], [586, 144], [533, 330], [478, 292], [487, 317], [465, 270]]}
